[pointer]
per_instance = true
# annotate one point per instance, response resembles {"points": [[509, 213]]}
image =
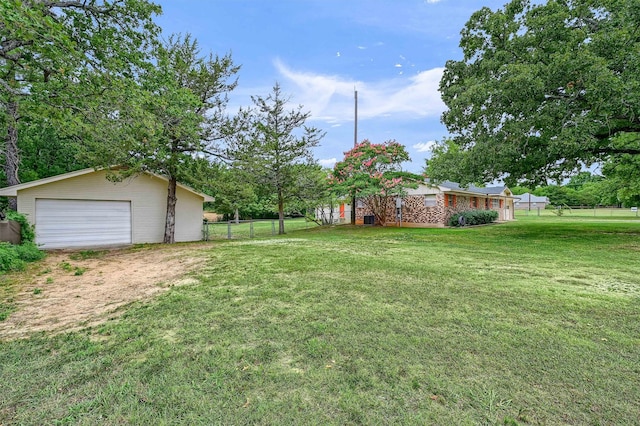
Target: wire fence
{"points": [[580, 211], [231, 230]]}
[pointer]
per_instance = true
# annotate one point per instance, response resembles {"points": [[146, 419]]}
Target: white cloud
{"points": [[398, 65], [328, 162], [330, 98], [431, 1], [424, 146], [361, 47], [338, 54]]}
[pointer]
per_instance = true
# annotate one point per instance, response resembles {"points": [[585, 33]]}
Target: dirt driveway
{"points": [[68, 291]]}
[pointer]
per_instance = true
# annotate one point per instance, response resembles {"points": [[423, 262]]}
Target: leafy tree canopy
{"points": [[172, 113], [57, 55], [542, 90]]}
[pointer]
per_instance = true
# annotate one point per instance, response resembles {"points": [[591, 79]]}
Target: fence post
{"points": [[229, 230], [273, 227], [251, 228], [538, 211], [206, 231]]}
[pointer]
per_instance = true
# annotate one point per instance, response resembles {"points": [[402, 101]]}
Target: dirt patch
{"points": [[68, 291]]}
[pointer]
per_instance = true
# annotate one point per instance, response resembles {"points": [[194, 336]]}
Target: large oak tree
{"points": [[56, 55], [541, 91]]}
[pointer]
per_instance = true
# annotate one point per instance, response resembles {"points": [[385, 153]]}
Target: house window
{"points": [[359, 204], [450, 200], [495, 204], [430, 200]]}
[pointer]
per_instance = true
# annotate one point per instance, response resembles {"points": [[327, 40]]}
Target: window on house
{"points": [[359, 204], [495, 204], [450, 200], [430, 200]]}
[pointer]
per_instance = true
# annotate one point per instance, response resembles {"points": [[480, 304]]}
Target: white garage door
{"points": [[82, 223]]}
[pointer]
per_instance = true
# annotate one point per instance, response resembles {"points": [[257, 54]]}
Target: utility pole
{"points": [[355, 143]]}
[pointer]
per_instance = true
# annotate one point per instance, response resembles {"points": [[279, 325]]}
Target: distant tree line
{"points": [[584, 189]]}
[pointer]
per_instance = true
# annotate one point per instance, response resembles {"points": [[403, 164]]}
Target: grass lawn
{"points": [[531, 322]]}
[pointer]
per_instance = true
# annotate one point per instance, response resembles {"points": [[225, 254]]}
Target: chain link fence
{"points": [[231, 230], [581, 211]]}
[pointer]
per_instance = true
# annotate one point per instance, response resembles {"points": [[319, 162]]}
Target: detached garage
{"points": [[83, 209]]}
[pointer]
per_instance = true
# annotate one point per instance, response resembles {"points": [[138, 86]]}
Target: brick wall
{"points": [[415, 213]]}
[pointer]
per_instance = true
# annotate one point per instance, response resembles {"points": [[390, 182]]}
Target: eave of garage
{"points": [[12, 191]]}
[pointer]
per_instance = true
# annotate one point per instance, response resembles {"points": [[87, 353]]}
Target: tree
{"points": [[174, 114], [542, 90], [623, 179], [373, 174], [270, 143], [56, 54]]}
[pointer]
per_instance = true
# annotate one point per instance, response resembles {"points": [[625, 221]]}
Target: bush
{"points": [[473, 217], [15, 257], [27, 232]]}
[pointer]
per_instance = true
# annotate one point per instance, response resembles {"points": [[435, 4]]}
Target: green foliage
{"points": [[15, 257], [373, 173], [623, 177], [60, 59], [173, 113], [473, 217], [27, 231], [273, 146], [543, 89]]}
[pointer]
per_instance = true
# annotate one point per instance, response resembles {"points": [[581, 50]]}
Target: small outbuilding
{"points": [[83, 209], [528, 201]]}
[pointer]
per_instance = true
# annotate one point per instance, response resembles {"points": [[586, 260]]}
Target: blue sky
{"points": [[392, 51]]}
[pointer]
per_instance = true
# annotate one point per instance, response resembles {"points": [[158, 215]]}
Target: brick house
{"points": [[431, 205]]}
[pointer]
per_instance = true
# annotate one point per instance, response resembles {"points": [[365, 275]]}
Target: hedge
{"points": [[15, 257], [473, 217]]}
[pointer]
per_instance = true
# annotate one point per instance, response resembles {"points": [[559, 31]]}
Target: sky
{"points": [[392, 52]]}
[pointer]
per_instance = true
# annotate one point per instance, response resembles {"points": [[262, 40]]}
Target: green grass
{"points": [[587, 213], [532, 322]]}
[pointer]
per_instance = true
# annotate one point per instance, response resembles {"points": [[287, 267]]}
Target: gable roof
{"points": [[527, 197], [12, 191], [491, 190]]}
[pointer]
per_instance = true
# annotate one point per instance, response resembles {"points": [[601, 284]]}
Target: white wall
{"points": [[148, 196]]}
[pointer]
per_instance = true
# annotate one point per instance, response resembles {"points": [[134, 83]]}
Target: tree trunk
{"points": [[280, 212], [237, 216], [170, 224], [12, 158]]}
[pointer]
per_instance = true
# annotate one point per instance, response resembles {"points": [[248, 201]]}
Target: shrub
{"points": [[473, 217], [27, 232], [15, 257]]}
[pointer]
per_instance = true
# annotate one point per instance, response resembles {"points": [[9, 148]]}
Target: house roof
{"points": [[472, 189], [12, 191], [527, 197]]}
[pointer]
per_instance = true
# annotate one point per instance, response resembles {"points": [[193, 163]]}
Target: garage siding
{"points": [[147, 195]]}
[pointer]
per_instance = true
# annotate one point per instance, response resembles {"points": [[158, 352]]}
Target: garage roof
{"points": [[12, 191]]}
